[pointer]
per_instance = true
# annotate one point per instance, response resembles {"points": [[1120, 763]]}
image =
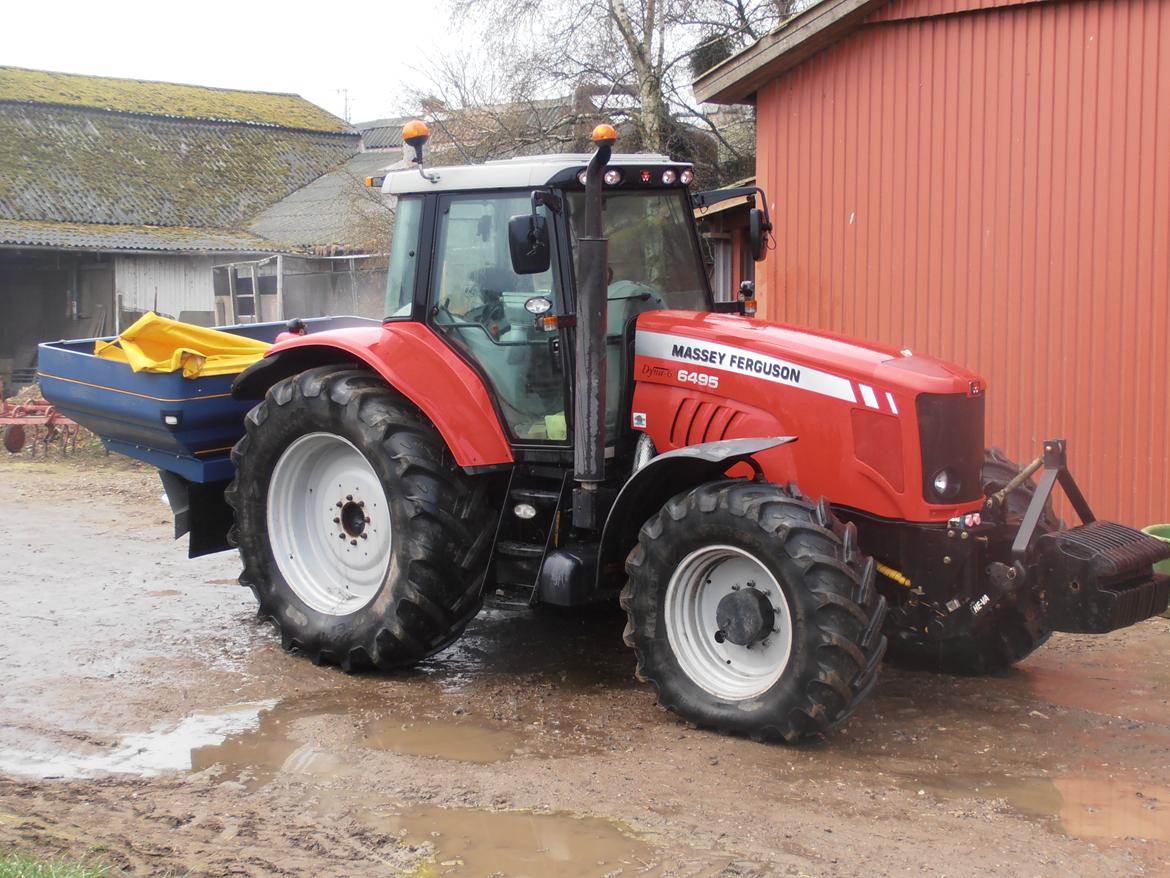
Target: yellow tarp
{"points": [[156, 344]]}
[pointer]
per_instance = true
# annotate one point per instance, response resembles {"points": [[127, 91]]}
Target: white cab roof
{"points": [[517, 173]]}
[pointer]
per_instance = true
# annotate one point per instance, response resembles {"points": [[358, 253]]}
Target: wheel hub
{"points": [[745, 616], [728, 591], [353, 518], [329, 523]]}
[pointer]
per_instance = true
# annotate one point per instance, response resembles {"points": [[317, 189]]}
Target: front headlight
{"points": [[945, 484]]}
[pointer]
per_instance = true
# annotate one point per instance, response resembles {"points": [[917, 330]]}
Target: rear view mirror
{"points": [[528, 243], [758, 229]]}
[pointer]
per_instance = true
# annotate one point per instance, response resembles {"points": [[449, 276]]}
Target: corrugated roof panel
{"points": [[93, 236], [334, 209]]}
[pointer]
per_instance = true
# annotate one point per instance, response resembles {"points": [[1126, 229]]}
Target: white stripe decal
{"points": [[890, 400], [726, 358], [868, 395]]}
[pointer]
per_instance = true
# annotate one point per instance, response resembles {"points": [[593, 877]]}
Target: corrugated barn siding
{"points": [[993, 187], [168, 284]]}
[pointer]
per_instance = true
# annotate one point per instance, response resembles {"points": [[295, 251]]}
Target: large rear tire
{"points": [[1006, 637], [783, 569], [362, 540]]}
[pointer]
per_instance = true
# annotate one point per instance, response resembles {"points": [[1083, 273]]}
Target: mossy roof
{"points": [[166, 99], [72, 164]]}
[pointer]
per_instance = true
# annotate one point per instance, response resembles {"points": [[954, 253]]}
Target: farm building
{"points": [[119, 197], [984, 180]]}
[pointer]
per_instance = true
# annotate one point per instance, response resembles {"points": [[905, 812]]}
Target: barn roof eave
{"points": [[737, 79]]}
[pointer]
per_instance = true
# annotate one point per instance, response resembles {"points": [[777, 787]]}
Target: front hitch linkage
{"points": [[1054, 460]]}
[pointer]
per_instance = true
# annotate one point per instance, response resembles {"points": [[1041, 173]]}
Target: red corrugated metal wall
{"points": [[993, 187]]}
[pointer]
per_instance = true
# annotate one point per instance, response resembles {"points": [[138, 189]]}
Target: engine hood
{"points": [[711, 340]]}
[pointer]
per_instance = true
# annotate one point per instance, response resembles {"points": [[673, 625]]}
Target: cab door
{"points": [[476, 302]]}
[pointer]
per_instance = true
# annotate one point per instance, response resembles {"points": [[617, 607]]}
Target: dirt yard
{"points": [[147, 721]]}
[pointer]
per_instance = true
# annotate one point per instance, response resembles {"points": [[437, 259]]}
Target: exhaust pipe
{"points": [[589, 401]]}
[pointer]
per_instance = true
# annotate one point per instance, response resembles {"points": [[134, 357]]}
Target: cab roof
{"points": [[515, 173]]}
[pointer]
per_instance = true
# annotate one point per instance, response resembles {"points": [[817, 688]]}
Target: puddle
{"points": [[1088, 808], [460, 741], [147, 753], [256, 742], [272, 747], [471, 843], [1110, 689]]}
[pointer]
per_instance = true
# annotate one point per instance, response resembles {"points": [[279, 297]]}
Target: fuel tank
{"points": [[879, 429]]}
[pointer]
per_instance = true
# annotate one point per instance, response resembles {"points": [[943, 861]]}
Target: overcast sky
{"points": [[365, 47]]}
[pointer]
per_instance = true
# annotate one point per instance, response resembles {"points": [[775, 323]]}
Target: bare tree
{"points": [[543, 71]]}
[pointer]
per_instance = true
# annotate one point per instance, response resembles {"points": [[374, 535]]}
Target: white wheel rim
{"points": [[329, 524], [725, 669]]}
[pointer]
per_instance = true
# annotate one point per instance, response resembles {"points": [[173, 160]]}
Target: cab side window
{"points": [[403, 257]]}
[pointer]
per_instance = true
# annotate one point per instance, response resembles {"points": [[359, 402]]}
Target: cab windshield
{"points": [[654, 259]]}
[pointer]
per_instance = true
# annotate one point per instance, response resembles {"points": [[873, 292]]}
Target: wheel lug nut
{"points": [[341, 536], [353, 542], [365, 536], [337, 521], [362, 503], [339, 504], [349, 497]]}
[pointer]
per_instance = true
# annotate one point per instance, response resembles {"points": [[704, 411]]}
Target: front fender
{"points": [[662, 478], [412, 360]]}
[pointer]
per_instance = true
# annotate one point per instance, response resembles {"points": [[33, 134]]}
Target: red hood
{"points": [[832, 353]]}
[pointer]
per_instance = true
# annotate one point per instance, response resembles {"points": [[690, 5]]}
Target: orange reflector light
{"points": [[549, 323], [414, 129], [604, 133], [375, 182]]}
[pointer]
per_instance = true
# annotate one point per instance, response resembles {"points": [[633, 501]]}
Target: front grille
{"points": [[950, 430]]}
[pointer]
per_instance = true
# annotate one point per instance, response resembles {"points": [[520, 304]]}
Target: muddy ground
{"points": [[149, 722]]}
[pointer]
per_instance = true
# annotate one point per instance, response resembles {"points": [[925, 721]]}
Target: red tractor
{"points": [[555, 410]]}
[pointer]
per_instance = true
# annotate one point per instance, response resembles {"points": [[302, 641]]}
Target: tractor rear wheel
{"points": [[362, 540], [752, 612], [1010, 634]]}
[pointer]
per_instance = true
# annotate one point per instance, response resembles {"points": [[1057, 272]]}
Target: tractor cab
{"points": [[502, 285]]}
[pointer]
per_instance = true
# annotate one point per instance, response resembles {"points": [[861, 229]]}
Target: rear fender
{"points": [[662, 478], [416, 363]]}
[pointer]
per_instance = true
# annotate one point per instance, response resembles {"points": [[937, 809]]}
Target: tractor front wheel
{"points": [[362, 540], [752, 612]]}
